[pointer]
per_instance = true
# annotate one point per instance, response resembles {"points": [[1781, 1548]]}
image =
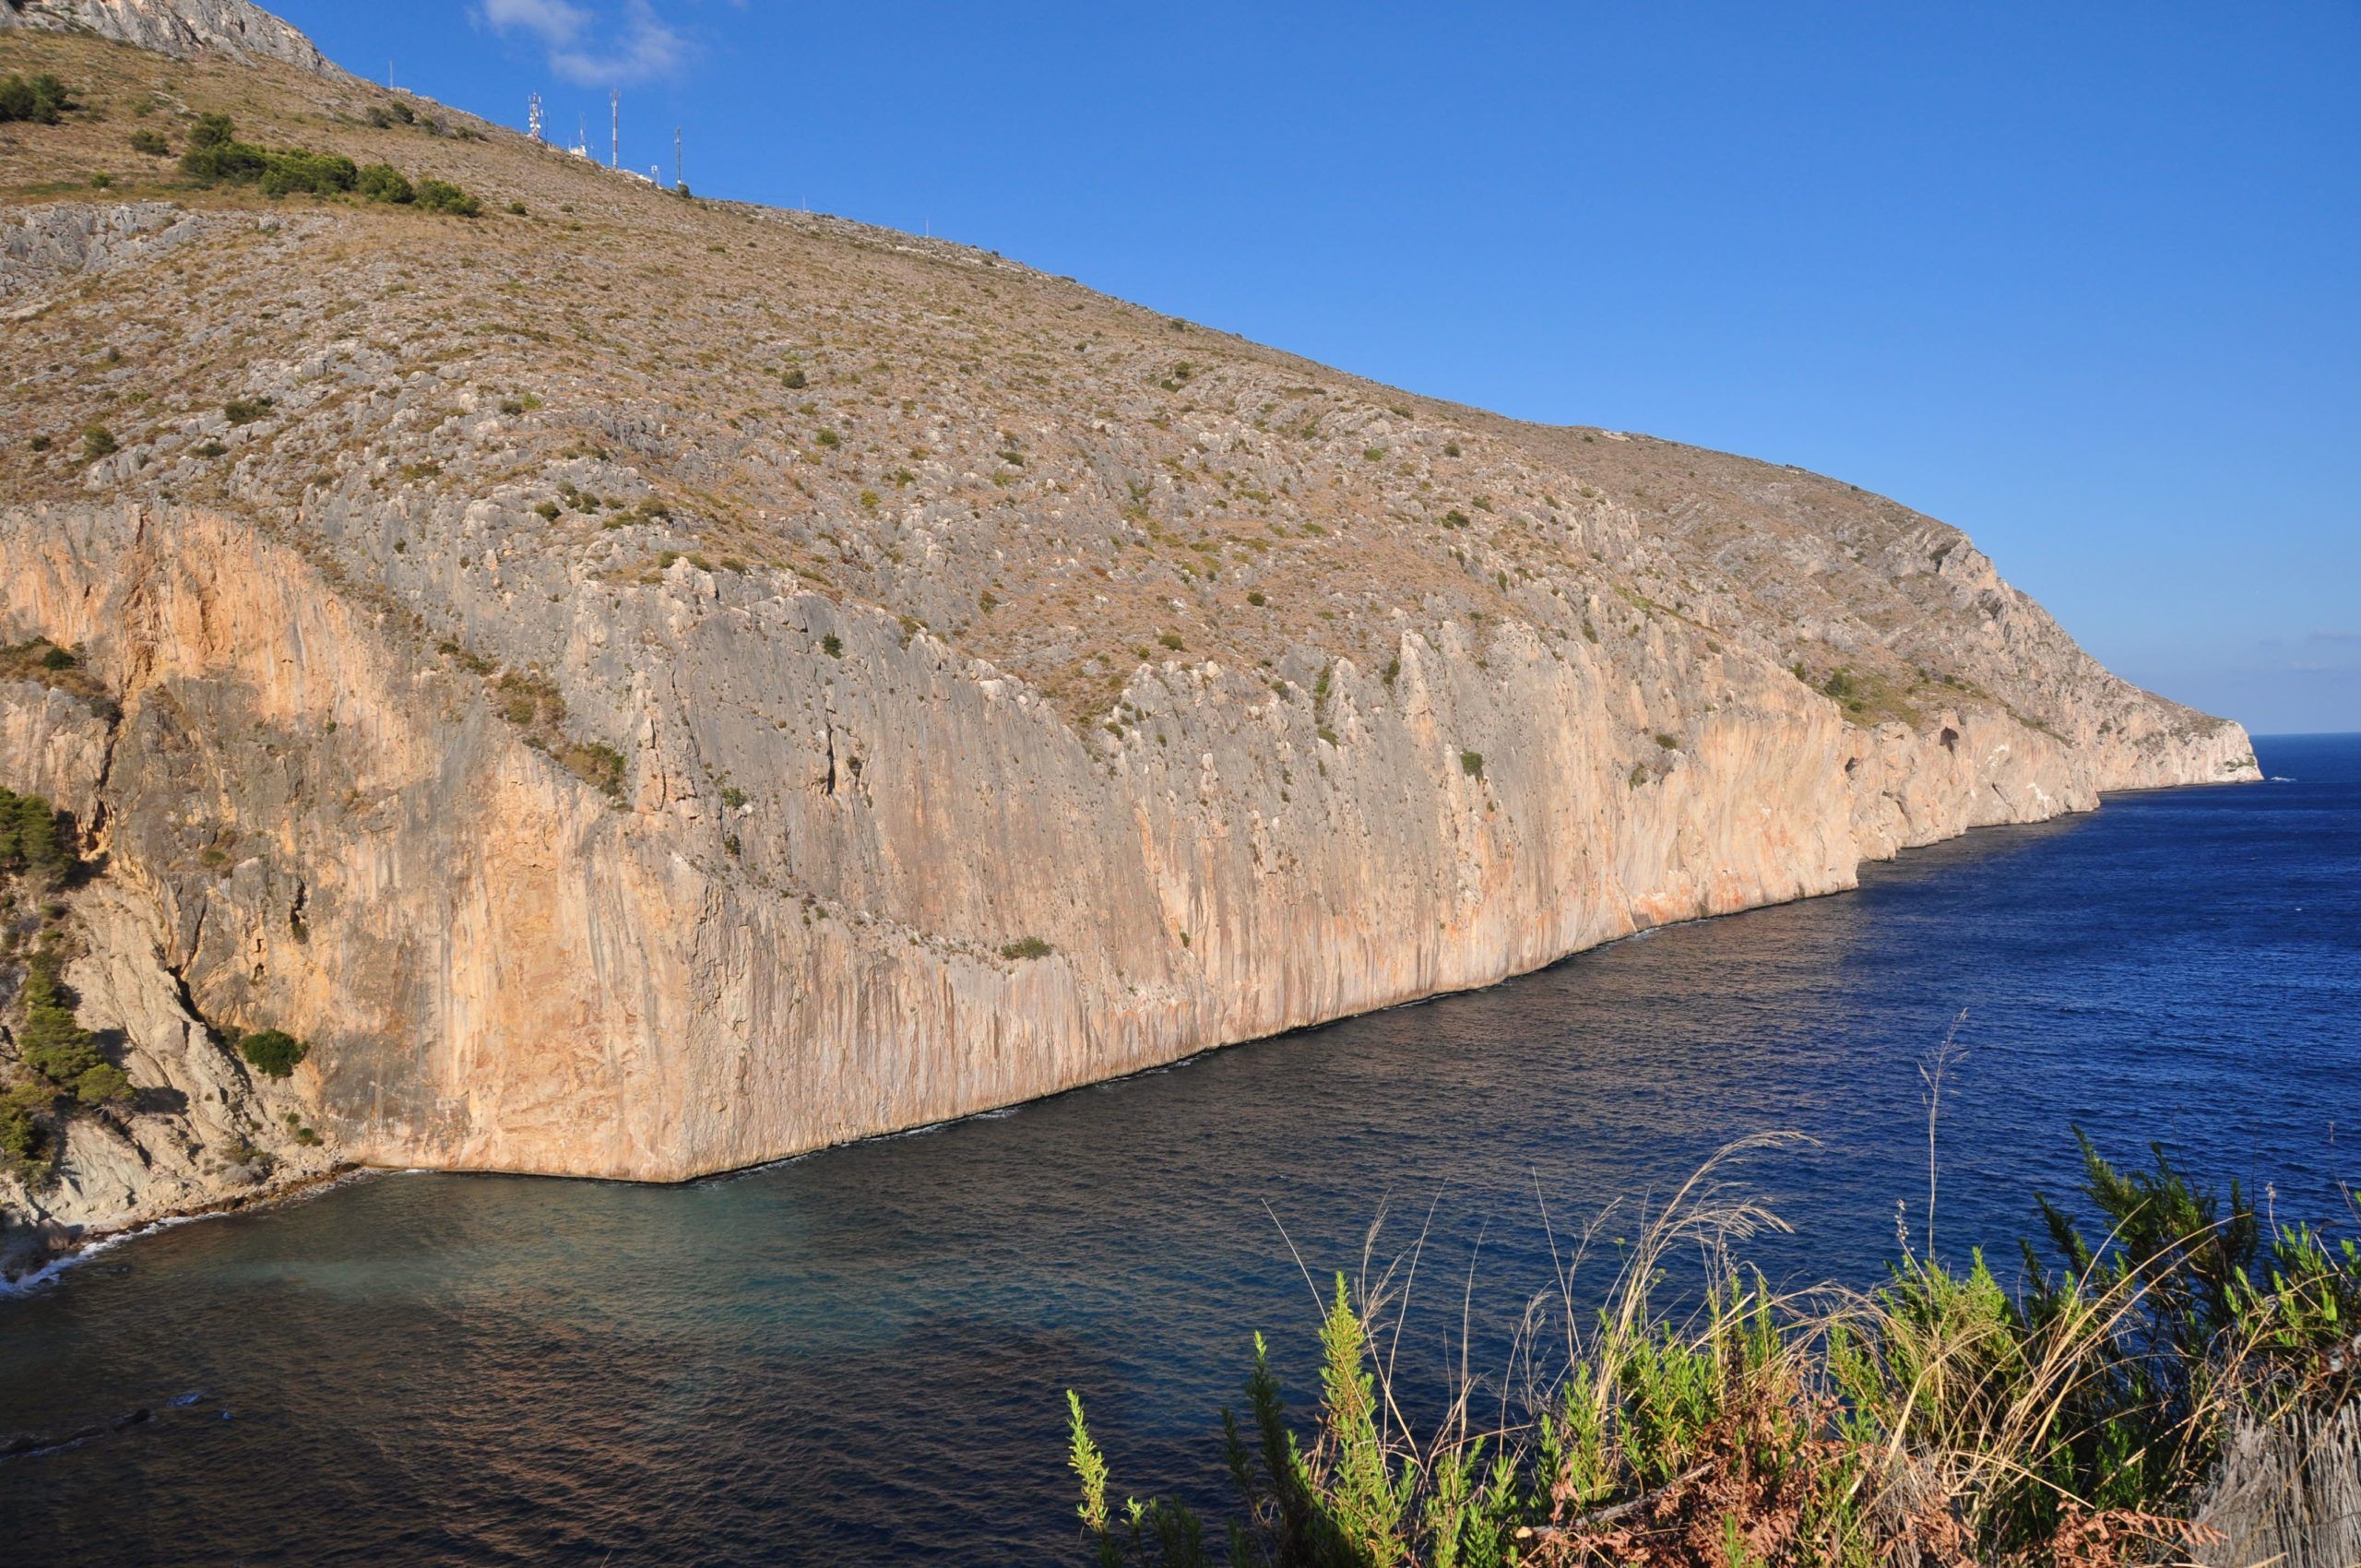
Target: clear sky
{"points": [[2084, 279]]}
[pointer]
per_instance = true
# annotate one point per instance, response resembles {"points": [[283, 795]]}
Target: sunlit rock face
{"points": [[645, 686], [180, 27]]}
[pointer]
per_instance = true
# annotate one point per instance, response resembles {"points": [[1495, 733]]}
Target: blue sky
{"points": [[2084, 281]]}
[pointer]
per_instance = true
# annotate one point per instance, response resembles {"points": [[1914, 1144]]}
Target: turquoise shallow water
{"points": [[859, 1356]]}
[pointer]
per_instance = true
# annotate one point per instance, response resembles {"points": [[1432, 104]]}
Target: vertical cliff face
{"points": [[859, 682]]}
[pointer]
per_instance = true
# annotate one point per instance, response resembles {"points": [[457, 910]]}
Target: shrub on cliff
{"points": [[273, 1053], [104, 1084], [24, 1147], [51, 1040], [35, 835]]}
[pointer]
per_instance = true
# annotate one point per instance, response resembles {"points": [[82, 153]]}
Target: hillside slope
{"points": [[647, 685]]}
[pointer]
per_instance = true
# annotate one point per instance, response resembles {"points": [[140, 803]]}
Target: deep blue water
{"points": [[859, 1357]]}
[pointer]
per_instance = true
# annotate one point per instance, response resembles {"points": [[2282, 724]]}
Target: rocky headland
{"points": [[641, 686]]}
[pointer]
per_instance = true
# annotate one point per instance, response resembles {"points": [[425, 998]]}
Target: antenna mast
{"points": [[676, 155], [533, 125], [615, 147]]}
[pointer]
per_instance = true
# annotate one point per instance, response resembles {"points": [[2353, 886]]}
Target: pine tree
{"points": [[37, 837], [51, 1040]]}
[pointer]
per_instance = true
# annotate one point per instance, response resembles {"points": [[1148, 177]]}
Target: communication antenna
{"points": [[615, 147], [676, 155], [533, 125]]}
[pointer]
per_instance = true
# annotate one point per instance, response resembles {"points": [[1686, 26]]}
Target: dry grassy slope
{"points": [[1256, 610], [1001, 433]]}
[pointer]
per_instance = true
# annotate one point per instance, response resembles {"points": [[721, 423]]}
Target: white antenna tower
{"points": [[676, 155], [533, 118], [615, 148]]}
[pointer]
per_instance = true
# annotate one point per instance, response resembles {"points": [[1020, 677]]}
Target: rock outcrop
{"points": [[644, 687], [180, 27]]}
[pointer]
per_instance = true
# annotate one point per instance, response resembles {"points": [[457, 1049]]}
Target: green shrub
{"points": [[1027, 947], [832, 646], [1171, 640], [211, 130], [793, 378], [315, 173], [273, 1053], [152, 143], [596, 764], [23, 1145], [245, 410], [216, 156], [104, 1084], [42, 98], [1472, 763], [98, 441], [51, 1040], [34, 835], [438, 196], [383, 182]]}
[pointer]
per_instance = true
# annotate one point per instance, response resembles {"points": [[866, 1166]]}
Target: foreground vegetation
{"points": [[2126, 1404]]}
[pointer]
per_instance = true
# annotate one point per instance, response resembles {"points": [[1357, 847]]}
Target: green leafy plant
{"points": [[274, 1054], [1937, 1419], [41, 99], [439, 196]]}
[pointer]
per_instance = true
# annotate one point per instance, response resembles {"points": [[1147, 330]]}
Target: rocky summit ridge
{"points": [[179, 27], [641, 685]]}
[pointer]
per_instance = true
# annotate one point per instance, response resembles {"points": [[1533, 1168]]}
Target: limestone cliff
{"points": [[174, 27], [646, 687]]}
